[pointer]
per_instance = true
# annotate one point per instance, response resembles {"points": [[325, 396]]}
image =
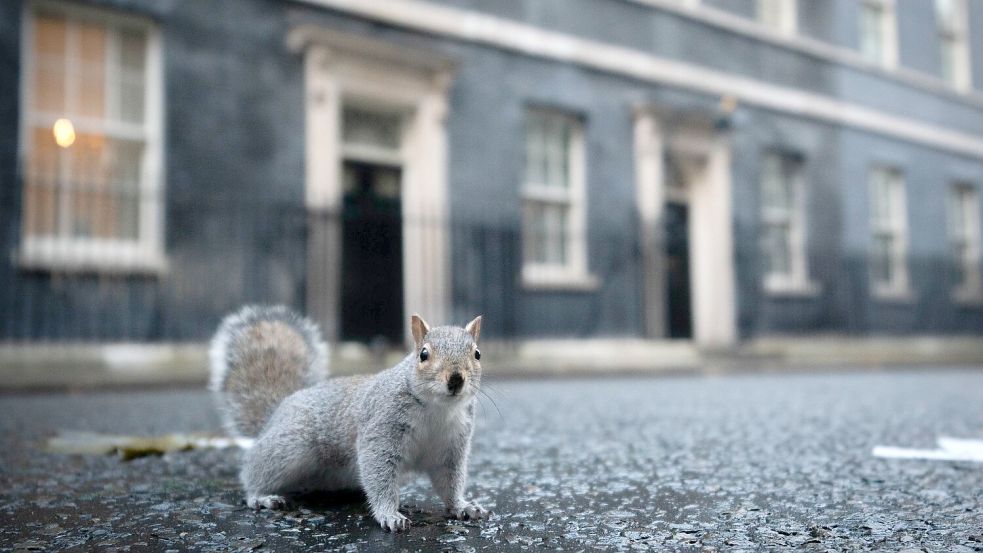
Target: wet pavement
{"points": [[739, 462]]}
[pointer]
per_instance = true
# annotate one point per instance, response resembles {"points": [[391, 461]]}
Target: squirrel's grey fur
{"points": [[313, 433]]}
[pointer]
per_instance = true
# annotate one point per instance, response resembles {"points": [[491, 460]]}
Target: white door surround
{"points": [[339, 69], [703, 155]]}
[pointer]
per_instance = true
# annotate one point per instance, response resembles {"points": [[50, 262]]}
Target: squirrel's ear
{"points": [[419, 328], [474, 328]]}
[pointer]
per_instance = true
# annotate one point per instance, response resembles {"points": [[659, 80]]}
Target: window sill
{"points": [[89, 257], [792, 289], [894, 295], [574, 282], [968, 298]]}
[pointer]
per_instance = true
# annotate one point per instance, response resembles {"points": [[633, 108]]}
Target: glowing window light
{"points": [[64, 132]]}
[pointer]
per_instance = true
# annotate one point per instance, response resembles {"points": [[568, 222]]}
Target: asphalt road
{"points": [[681, 463]]}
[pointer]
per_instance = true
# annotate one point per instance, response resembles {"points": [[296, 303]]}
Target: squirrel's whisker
{"points": [[492, 400]]}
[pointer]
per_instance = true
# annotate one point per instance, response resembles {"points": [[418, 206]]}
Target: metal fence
{"points": [[221, 254]]}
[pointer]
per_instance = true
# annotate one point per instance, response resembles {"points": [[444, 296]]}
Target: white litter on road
{"points": [[950, 449], [221, 442]]}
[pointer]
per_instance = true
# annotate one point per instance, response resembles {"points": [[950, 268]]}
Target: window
{"points": [[91, 140], [964, 232], [779, 15], [372, 135], [951, 17], [372, 151], [553, 233], [889, 269], [782, 208], [878, 32]]}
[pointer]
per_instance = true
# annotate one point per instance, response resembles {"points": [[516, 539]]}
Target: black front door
{"points": [[677, 270], [372, 254]]}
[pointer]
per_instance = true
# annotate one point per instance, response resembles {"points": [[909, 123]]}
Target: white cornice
{"points": [[812, 47], [526, 39]]}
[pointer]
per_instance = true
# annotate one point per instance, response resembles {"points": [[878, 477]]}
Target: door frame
{"points": [[711, 231], [340, 68]]}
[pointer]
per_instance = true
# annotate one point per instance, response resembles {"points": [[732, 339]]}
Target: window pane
{"points": [[556, 147], [535, 151], [49, 64], [545, 233], [90, 70], [949, 51], [87, 186], [104, 188], [881, 259], [960, 256], [882, 199], [385, 184], [563, 161], [872, 32], [126, 185], [548, 142], [371, 128], [556, 243], [965, 235], [133, 49], [534, 235], [778, 249], [957, 213], [41, 194], [775, 185]]}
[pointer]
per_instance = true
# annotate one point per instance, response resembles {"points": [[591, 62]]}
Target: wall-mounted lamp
{"points": [[64, 132]]}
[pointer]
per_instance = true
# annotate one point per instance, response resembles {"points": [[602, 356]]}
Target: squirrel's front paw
{"points": [[394, 522], [468, 511], [266, 502]]}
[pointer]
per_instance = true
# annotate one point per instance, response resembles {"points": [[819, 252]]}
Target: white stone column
{"points": [[426, 225], [323, 192], [712, 249], [650, 201]]}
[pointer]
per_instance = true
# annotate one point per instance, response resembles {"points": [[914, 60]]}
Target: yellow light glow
{"points": [[64, 132]]}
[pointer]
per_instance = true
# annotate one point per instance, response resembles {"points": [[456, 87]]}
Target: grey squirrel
{"points": [[314, 433]]}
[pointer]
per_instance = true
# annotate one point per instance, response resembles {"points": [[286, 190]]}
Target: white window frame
{"points": [[970, 289], [66, 253], [778, 15], [572, 274], [796, 281], [957, 32], [889, 32], [899, 287]]}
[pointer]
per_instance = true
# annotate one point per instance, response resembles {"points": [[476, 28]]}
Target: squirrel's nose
{"points": [[455, 383]]}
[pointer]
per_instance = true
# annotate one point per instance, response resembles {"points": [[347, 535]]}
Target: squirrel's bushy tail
{"points": [[259, 356]]}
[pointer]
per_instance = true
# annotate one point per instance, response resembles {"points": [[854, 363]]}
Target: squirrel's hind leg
{"points": [[280, 463]]}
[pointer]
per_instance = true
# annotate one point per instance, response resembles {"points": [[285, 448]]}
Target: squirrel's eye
{"points": [[424, 354], [477, 354]]}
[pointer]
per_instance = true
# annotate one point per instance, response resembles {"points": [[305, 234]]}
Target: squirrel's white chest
{"points": [[437, 431]]}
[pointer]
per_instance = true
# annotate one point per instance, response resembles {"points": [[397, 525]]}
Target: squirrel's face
{"points": [[448, 359]]}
